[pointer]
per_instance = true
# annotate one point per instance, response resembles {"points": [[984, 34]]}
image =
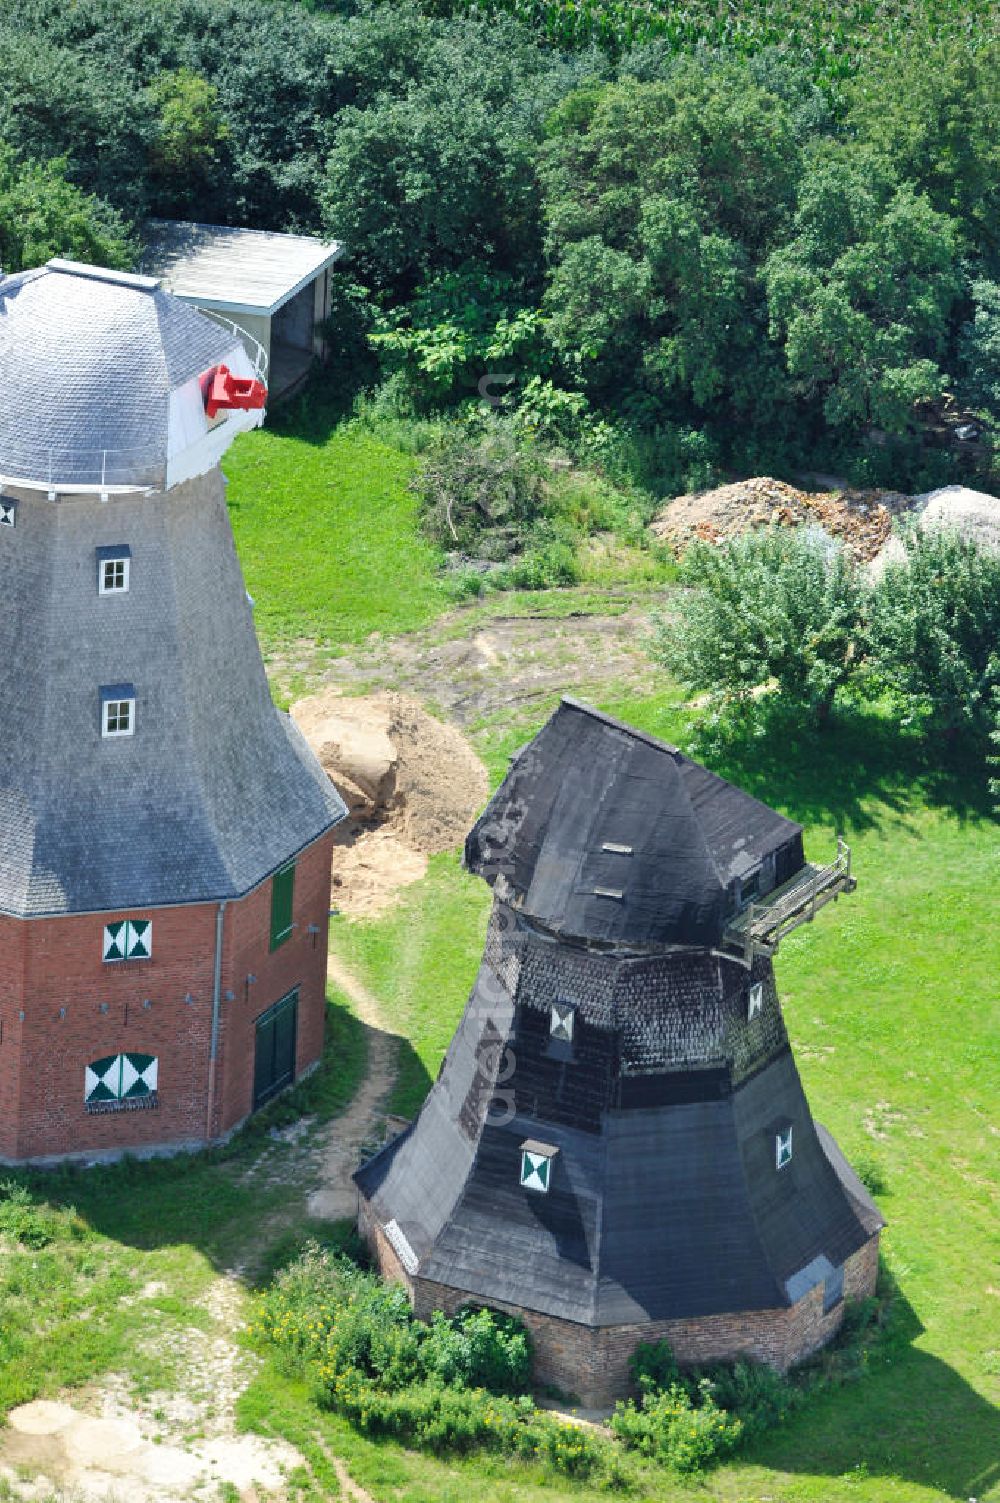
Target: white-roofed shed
{"points": [[274, 287]]}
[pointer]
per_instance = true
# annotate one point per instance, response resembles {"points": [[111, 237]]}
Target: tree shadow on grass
{"points": [[860, 771], [909, 1415]]}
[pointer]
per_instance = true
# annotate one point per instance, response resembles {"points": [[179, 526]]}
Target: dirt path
{"points": [[335, 1196], [475, 663]]}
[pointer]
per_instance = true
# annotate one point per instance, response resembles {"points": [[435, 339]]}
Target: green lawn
{"points": [[891, 1000], [106, 1263], [327, 535]]}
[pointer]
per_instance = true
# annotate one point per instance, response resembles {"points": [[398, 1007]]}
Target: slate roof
{"points": [[653, 1213], [88, 359], [600, 832], [215, 789], [234, 270]]}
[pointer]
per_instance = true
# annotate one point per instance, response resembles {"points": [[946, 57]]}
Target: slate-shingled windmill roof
{"points": [[213, 789], [603, 833], [88, 359]]}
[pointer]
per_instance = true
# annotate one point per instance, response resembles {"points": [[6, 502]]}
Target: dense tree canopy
{"points": [[751, 254]]}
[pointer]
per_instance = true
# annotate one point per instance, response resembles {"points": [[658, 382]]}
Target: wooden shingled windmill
{"points": [[618, 1147]]}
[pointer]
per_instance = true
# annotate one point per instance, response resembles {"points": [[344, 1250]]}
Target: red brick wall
{"points": [[51, 964], [592, 1362], [299, 962]]}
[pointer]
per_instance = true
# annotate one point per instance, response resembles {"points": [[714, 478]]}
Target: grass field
{"points": [[327, 534], [892, 1006]]}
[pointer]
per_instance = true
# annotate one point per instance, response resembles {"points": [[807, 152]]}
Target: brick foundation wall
{"points": [[77, 1008], [592, 1362]]}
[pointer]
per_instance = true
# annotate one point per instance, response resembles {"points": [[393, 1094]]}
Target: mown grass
{"points": [[328, 537], [892, 1004]]}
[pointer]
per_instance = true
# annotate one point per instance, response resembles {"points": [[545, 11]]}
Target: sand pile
{"points": [[861, 519], [412, 786]]}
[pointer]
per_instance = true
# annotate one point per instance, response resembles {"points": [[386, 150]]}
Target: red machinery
{"points": [[224, 390]]}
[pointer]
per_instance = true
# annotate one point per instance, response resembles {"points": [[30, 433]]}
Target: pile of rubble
{"points": [[861, 519]]}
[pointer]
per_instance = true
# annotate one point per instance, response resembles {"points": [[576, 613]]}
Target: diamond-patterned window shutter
{"points": [[120, 1077], [8, 511], [536, 1166], [755, 1001], [561, 1022], [115, 940], [128, 939], [139, 945]]}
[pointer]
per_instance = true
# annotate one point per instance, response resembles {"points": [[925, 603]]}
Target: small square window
{"points": [[783, 1147], [561, 1022], [8, 511], [755, 1000], [114, 567], [119, 717], [536, 1166], [114, 576]]}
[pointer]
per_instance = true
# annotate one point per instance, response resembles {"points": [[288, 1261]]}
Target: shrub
{"points": [[772, 609], [480, 495], [934, 634], [653, 1365], [20, 1217], [670, 1426], [478, 1349]]}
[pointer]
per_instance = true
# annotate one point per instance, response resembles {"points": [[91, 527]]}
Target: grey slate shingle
{"points": [[87, 366]]}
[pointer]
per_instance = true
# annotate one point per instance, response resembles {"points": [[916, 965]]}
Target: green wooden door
{"points": [[274, 1061]]}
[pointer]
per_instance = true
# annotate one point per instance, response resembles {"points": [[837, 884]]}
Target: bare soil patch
{"points": [[412, 784]]}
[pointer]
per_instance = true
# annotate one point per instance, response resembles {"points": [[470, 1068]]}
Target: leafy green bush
{"points": [[675, 1428], [20, 1217], [653, 1365], [934, 633], [449, 1385], [774, 610], [478, 1349]]}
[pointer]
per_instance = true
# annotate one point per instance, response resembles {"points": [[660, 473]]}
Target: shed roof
{"points": [[234, 270]]}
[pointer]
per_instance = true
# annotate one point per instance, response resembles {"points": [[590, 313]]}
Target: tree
{"points": [[979, 348], [929, 112], [189, 139], [860, 296], [440, 175], [660, 200], [772, 610], [42, 215], [934, 633]]}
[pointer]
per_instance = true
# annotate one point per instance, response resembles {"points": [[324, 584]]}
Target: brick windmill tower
{"points": [[618, 1148], [164, 832]]}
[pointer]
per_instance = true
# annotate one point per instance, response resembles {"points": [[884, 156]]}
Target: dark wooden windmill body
{"points": [[618, 1147]]}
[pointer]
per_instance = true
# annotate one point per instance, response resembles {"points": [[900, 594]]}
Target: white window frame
{"points": [[114, 705], [783, 1148], [562, 1015], [128, 942], [124, 563], [8, 511], [755, 1000]]}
